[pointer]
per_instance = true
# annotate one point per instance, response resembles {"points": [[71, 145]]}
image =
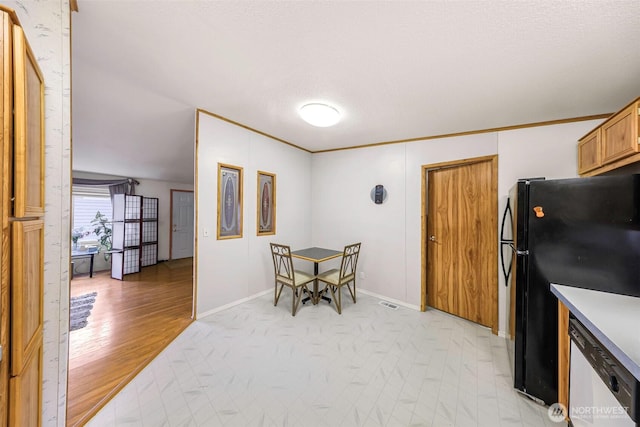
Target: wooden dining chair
{"points": [[286, 275], [335, 279]]}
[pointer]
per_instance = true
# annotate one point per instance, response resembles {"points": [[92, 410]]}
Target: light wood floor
{"points": [[131, 322]]}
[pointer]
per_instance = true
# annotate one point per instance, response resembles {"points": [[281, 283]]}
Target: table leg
{"points": [[91, 266], [316, 295], [315, 284]]}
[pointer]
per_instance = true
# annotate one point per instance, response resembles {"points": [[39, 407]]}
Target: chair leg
{"points": [[277, 294], [333, 296], [293, 301], [352, 292], [339, 300], [298, 293]]}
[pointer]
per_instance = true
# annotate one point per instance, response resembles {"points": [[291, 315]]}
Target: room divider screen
{"points": [[135, 234]]}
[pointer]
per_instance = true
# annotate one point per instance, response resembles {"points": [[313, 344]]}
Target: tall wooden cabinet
{"points": [[22, 230]]}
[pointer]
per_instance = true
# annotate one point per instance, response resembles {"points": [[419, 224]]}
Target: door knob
{"points": [[432, 238]]}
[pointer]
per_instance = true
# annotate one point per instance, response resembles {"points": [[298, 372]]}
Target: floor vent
{"points": [[388, 305]]}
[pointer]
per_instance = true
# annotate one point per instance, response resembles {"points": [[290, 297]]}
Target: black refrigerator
{"points": [[582, 232]]}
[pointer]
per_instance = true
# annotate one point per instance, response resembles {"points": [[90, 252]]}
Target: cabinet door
{"points": [[27, 278], [6, 192], [28, 130], [589, 152], [620, 134], [25, 405]]}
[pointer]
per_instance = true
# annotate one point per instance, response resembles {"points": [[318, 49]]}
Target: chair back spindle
{"points": [[349, 262]]}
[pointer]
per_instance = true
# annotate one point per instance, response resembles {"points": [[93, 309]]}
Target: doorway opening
{"points": [[130, 322]]}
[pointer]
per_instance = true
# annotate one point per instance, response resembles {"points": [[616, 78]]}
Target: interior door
{"points": [[461, 240], [181, 224]]}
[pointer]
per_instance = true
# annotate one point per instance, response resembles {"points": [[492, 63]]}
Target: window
{"points": [[87, 201]]}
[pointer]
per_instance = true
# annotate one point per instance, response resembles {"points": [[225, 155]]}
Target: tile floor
{"points": [[256, 365]]}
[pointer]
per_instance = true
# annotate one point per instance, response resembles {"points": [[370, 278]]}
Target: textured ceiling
{"points": [[397, 70]]}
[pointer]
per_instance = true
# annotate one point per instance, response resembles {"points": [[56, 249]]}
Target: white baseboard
{"points": [[501, 334], [395, 301], [226, 306]]}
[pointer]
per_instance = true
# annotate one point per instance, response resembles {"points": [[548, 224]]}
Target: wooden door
{"points": [[26, 394], [28, 129], [26, 291], [182, 224], [27, 277], [6, 163], [462, 240], [27, 237]]}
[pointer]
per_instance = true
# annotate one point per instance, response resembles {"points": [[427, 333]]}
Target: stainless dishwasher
{"points": [[602, 393]]}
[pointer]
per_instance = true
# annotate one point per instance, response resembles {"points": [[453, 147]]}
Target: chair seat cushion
{"points": [[330, 276], [333, 276], [302, 277]]}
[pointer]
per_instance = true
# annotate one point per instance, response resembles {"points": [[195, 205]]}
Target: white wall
{"points": [[391, 232], [332, 205], [46, 26], [162, 190], [232, 270]]}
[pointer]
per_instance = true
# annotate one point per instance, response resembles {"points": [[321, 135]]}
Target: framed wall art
{"points": [[229, 201], [266, 215]]}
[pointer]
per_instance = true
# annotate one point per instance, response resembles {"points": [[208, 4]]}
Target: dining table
{"points": [[316, 255]]}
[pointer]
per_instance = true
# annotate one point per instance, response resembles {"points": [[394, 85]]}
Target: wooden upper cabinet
{"points": [[28, 130], [590, 152], [613, 144], [620, 134]]}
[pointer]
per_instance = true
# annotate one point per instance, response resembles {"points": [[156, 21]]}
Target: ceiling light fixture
{"points": [[320, 115]]}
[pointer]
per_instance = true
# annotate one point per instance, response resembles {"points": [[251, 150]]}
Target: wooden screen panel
{"points": [[28, 131], [27, 291], [25, 405]]}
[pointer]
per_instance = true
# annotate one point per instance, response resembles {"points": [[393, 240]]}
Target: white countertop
{"points": [[612, 318]]}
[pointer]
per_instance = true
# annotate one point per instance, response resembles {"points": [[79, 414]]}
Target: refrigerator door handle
{"points": [[506, 272], [507, 213], [513, 248]]}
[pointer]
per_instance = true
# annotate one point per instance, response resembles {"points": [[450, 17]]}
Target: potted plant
{"points": [[76, 234], [102, 229]]}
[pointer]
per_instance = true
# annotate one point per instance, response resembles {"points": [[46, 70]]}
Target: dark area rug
{"points": [[80, 309]]}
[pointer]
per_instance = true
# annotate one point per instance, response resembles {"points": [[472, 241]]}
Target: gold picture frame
{"points": [[266, 204], [229, 202]]}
